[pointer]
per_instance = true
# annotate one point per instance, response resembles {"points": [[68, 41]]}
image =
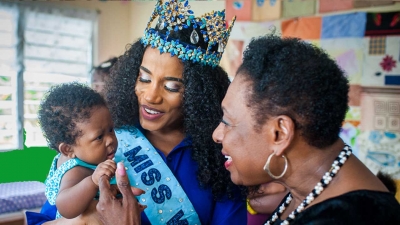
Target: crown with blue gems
{"points": [[175, 15]]}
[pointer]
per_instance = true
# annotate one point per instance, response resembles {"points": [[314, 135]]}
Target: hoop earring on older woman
{"points": [[266, 167]]}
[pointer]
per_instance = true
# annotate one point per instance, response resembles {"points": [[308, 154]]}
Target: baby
{"points": [[77, 124]]}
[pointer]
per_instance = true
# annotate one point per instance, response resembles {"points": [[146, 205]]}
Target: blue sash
{"points": [[167, 202]]}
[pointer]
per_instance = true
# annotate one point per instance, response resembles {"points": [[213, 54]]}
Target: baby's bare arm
{"points": [[79, 186], [77, 190]]}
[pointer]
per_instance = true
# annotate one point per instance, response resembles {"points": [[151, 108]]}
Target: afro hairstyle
{"points": [[62, 107], [294, 78]]}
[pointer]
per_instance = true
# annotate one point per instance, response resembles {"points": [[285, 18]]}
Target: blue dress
{"points": [[180, 162]]}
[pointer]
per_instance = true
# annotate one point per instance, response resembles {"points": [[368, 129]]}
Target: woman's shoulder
{"points": [[355, 207]]}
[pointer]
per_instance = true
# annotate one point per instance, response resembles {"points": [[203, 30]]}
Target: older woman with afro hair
{"points": [[282, 115]]}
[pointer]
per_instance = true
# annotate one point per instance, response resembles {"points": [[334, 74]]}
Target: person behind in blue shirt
{"points": [[165, 95], [77, 124]]}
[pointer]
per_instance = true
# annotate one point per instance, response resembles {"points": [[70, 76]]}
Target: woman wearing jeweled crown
{"points": [[169, 85], [164, 95]]}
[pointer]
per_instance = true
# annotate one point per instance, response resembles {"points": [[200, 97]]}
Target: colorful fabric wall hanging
{"points": [[232, 58], [351, 128], [381, 61], [341, 38], [241, 35], [371, 3], [379, 24], [351, 125], [266, 10], [334, 5], [304, 28], [381, 110], [379, 141], [348, 53], [253, 10], [295, 8], [248, 30], [239, 8], [344, 25], [380, 150]]}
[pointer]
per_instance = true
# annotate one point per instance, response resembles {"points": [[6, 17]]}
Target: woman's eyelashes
{"points": [[141, 79], [172, 86], [224, 122]]}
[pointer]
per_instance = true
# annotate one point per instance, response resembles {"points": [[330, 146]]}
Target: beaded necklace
{"points": [[326, 179]]}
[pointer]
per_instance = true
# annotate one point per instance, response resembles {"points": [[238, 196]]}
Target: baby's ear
{"points": [[66, 150]]}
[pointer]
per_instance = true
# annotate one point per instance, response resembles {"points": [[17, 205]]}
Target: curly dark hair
{"points": [[62, 107], [294, 78], [205, 87]]}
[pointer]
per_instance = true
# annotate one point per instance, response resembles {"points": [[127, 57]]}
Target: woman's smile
{"points": [[150, 113], [228, 161]]}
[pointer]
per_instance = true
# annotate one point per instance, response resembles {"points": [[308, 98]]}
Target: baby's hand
{"points": [[107, 167]]}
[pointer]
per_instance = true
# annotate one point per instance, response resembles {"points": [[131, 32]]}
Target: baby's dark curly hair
{"points": [[205, 87], [62, 107], [294, 78]]}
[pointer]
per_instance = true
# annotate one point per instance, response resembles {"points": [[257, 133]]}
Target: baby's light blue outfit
{"points": [[53, 180]]}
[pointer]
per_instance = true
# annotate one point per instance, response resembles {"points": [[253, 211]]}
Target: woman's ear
{"points": [[66, 150], [284, 133]]}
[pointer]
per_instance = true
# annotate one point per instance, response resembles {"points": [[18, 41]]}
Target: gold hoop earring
{"points": [[266, 167]]}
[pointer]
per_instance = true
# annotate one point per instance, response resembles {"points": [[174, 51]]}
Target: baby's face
{"points": [[98, 141]]}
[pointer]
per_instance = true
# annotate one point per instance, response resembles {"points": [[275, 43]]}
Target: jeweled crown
{"points": [[175, 15]]}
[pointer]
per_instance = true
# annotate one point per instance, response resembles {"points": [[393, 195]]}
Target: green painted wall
{"points": [[29, 164]]}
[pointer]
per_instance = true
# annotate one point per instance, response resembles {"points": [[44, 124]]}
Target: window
{"points": [[51, 46], [9, 130]]}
